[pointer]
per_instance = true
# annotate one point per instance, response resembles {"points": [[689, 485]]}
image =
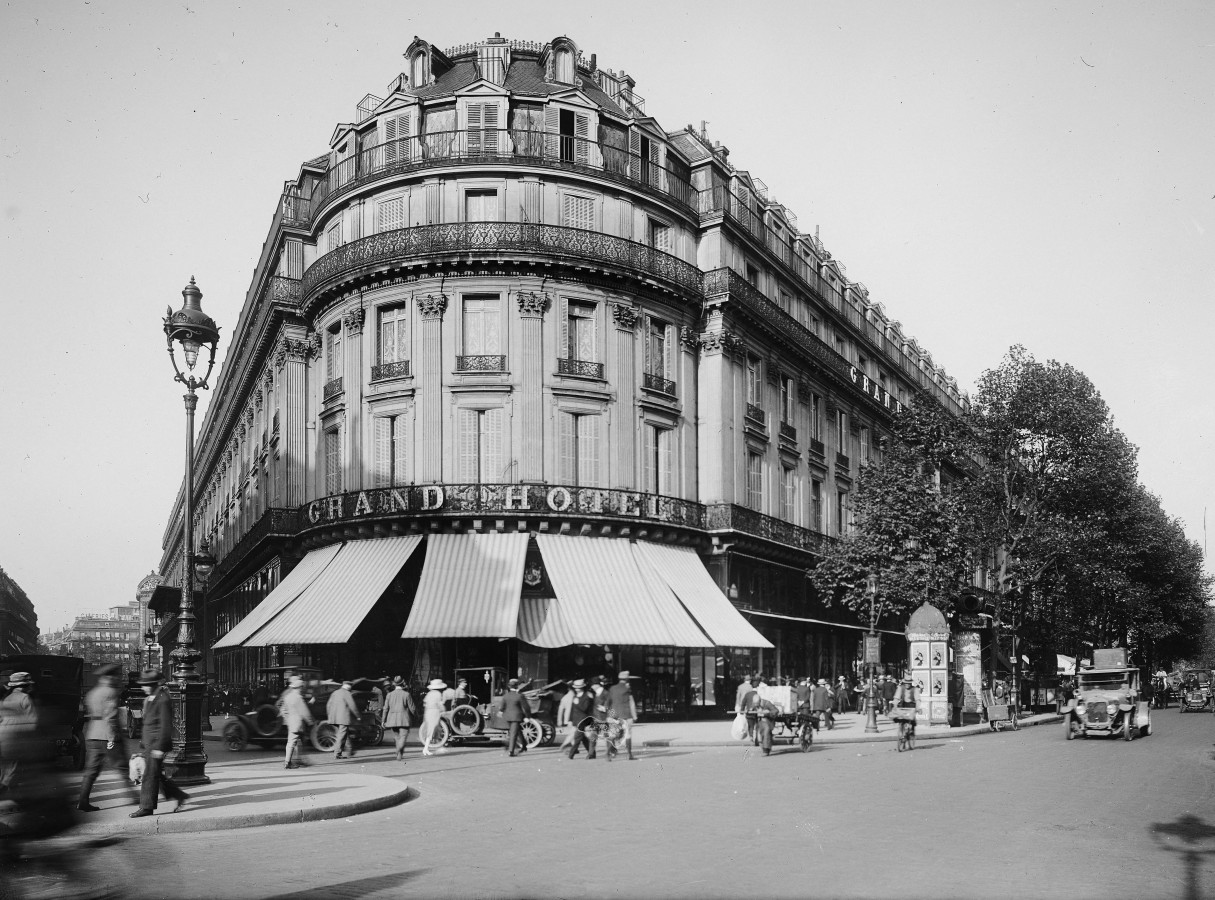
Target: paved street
{"points": [[1022, 814]]}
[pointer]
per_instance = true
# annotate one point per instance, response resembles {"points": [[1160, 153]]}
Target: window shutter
{"points": [[634, 153], [391, 214], [396, 138], [665, 460], [668, 344], [647, 326], [399, 448], [565, 329], [655, 170], [383, 450], [493, 422], [649, 457], [568, 440], [582, 130], [491, 327], [474, 127], [552, 132], [469, 444], [588, 451], [489, 117]]}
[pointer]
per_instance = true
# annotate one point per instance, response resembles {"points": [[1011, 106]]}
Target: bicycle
{"points": [[906, 722]]}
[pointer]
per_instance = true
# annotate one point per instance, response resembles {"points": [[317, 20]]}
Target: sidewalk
{"points": [[244, 796], [849, 729]]}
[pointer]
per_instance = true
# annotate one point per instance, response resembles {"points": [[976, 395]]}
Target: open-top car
{"points": [[1107, 702], [263, 724], [477, 716]]}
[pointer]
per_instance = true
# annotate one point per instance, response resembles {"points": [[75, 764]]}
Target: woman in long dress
{"points": [[432, 711]]}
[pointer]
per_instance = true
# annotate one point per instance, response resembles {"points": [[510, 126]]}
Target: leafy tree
{"points": [[908, 525]]}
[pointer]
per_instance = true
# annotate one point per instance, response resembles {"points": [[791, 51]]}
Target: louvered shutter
{"points": [[568, 440], [566, 342], [582, 131], [552, 132], [647, 327], [493, 423], [399, 448], [668, 346], [489, 119], [656, 173], [649, 457], [474, 128], [383, 451], [391, 214], [469, 432], [396, 139], [588, 451], [634, 153], [666, 458]]}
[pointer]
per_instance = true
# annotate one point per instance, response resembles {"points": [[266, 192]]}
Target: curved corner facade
{"points": [[507, 302]]}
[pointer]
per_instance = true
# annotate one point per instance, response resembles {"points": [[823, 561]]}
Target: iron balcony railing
{"points": [[788, 432], [842, 461], [509, 146], [756, 414], [653, 382], [732, 517], [580, 367], [333, 388], [501, 237], [816, 448], [481, 363], [385, 371]]}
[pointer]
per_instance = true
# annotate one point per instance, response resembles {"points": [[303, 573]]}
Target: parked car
{"points": [[1107, 702], [478, 718], [263, 725], [58, 694]]}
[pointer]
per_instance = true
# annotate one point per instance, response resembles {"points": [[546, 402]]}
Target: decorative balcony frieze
{"points": [[390, 370], [481, 363], [658, 383]]}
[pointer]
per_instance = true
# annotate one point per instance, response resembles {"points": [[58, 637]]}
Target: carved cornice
{"points": [[312, 344], [531, 304], [432, 306], [289, 348], [714, 342], [625, 316], [688, 338], [353, 320]]}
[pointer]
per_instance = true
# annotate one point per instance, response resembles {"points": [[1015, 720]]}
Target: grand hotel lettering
{"points": [[501, 498], [874, 390]]}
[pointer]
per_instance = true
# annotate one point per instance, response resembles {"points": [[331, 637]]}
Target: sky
{"points": [[1014, 173]]}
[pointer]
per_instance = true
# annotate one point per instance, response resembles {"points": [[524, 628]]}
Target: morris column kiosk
{"points": [[928, 662]]}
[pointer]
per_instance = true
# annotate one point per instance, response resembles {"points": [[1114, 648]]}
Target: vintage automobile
{"points": [[58, 694], [1195, 693], [478, 717], [264, 726], [1107, 702]]}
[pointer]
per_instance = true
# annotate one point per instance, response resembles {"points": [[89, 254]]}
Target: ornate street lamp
{"points": [[193, 330], [148, 640], [871, 645]]}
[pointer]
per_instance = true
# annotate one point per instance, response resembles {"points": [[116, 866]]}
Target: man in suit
{"points": [[295, 712], [157, 741], [820, 702], [889, 689], [514, 711], [341, 711], [582, 706], [102, 737], [620, 705]]}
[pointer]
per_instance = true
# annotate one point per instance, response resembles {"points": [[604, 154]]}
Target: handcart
{"points": [[999, 715], [792, 722]]}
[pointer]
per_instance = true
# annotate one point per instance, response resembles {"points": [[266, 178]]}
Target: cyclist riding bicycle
{"points": [[905, 698]]}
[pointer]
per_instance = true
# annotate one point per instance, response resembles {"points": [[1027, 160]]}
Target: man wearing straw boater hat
{"points": [[18, 721], [582, 709], [157, 736]]}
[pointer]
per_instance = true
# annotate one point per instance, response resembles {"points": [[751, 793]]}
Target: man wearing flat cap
{"points": [[102, 737], [157, 738]]}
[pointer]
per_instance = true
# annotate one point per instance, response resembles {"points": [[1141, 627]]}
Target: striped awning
{"points": [[606, 599], [470, 586], [681, 569], [542, 624], [306, 571], [333, 606]]}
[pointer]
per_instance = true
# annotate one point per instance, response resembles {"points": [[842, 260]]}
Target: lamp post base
{"points": [[188, 759]]}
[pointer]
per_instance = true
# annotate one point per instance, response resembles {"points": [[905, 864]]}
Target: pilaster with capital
{"points": [[532, 307], [431, 308]]}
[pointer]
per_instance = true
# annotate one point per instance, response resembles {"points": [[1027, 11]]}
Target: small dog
{"points": [[137, 766]]}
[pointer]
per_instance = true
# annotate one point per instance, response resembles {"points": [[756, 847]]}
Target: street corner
{"points": [[251, 797]]}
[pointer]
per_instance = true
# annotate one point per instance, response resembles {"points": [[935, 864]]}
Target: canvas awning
{"points": [[306, 571], [681, 569], [605, 598], [542, 624], [470, 586], [332, 607]]}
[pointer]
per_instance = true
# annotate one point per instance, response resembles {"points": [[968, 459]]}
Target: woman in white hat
{"points": [[432, 711]]}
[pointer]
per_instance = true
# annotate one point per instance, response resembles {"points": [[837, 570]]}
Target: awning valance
{"points": [[293, 584], [470, 586], [681, 569], [605, 599], [333, 606]]}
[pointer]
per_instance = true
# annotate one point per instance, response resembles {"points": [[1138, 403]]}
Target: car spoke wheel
{"points": [[1128, 729], [236, 736], [440, 735], [375, 735], [466, 720], [532, 733], [548, 734], [267, 720], [323, 737]]}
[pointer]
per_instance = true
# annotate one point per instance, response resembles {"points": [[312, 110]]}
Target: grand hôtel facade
{"points": [[525, 379]]}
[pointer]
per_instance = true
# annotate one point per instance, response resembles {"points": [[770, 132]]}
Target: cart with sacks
{"points": [[792, 722]]}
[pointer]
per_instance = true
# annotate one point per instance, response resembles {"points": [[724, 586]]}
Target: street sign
{"points": [[971, 623], [873, 649]]}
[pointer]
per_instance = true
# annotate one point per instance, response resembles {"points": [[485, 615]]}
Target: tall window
{"points": [[755, 481], [788, 494], [841, 431], [752, 275], [755, 383], [842, 525], [787, 399], [481, 445], [482, 325], [580, 331], [659, 236], [816, 505], [393, 334], [657, 460], [579, 436], [333, 461], [578, 212], [816, 417], [658, 348], [482, 128], [333, 236], [481, 206], [863, 456], [390, 448], [333, 352]]}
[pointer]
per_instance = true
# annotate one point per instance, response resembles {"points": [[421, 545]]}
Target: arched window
{"points": [[563, 66]]}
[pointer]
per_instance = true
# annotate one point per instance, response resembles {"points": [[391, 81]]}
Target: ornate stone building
{"points": [[18, 621], [525, 378]]}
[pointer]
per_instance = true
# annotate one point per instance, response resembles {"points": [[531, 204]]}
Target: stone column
{"points": [[624, 446], [532, 307], [352, 375], [430, 387]]}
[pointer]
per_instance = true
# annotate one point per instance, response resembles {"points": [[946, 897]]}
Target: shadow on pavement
{"points": [[358, 887], [218, 802], [1192, 839]]}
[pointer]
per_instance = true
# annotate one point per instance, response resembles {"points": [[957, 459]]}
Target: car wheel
{"points": [[466, 720], [323, 737], [1128, 728], [1147, 729], [440, 735], [236, 736], [376, 736], [547, 734], [532, 733]]}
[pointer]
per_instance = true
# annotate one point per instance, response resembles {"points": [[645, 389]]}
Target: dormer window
{"points": [[417, 70], [563, 66]]}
